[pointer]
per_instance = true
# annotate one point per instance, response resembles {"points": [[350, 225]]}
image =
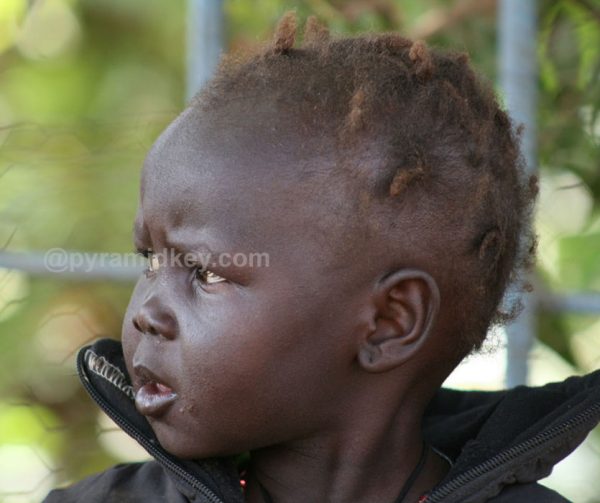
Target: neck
{"points": [[368, 459]]}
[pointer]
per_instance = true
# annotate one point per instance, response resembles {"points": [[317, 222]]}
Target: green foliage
{"points": [[88, 84], [579, 264], [570, 91]]}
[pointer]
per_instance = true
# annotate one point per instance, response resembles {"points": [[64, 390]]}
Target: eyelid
{"points": [[153, 265], [148, 254], [144, 252]]}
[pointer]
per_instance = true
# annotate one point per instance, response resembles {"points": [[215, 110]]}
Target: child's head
{"points": [[382, 185]]}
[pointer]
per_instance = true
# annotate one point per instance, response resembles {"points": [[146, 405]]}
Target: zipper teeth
{"points": [[102, 367], [149, 446], [511, 453]]}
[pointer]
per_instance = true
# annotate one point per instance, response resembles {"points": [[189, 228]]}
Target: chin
{"points": [[177, 443]]}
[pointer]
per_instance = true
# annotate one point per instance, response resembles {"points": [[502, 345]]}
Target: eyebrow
{"points": [[183, 246], [177, 241]]}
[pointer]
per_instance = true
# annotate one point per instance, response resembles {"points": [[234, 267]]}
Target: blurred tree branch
{"points": [[386, 9], [594, 10], [10, 237], [429, 23], [435, 20]]}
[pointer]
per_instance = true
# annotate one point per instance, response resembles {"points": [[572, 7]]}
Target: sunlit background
{"points": [[86, 86]]}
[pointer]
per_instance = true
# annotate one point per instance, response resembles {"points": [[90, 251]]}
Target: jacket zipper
{"points": [[433, 497], [510, 454], [148, 445]]}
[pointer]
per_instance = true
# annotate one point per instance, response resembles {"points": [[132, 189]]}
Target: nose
{"points": [[154, 318]]}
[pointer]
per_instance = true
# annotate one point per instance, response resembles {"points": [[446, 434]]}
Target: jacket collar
{"points": [[493, 438], [511, 436], [101, 368]]}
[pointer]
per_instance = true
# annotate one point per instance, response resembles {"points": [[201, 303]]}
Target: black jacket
{"points": [[500, 442]]}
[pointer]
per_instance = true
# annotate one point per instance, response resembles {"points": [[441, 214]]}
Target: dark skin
{"points": [[316, 364]]}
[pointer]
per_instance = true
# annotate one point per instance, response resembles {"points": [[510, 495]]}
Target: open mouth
{"points": [[153, 397]]}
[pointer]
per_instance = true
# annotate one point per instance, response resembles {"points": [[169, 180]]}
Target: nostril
{"points": [[145, 326], [154, 319]]}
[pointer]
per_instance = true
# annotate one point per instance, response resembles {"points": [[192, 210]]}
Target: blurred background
{"points": [[87, 85]]}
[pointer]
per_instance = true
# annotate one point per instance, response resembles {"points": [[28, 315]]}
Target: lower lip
{"points": [[153, 399]]}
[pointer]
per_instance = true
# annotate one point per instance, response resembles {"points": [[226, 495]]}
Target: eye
{"points": [[144, 252], [151, 260], [207, 277]]}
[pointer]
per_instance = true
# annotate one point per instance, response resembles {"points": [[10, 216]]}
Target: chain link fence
{"points": [[72, 183]]}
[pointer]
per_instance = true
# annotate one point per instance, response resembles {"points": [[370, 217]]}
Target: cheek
{"points": [[130, 337], [258, 373], [252, 368], [245, 342]]}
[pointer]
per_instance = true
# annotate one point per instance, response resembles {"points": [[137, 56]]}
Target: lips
{"points": [[153, 396]]}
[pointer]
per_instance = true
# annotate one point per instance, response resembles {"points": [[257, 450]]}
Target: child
{"points": [[384, 185]]}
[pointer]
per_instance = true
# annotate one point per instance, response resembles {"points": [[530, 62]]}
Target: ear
{"points": [[407, 303]]}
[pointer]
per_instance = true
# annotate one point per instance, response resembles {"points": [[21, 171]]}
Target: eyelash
{"points": [[208, 278], [147, 254], [144, 252]]}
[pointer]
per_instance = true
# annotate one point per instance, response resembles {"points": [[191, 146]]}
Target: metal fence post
{"points": [[205, 38], [518, 75]]}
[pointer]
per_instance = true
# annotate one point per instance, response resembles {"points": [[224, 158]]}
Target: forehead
{"points": [[251, 183], [221, 149]]}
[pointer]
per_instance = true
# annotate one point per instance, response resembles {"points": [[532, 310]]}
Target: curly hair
{"points": [[439, 147]]}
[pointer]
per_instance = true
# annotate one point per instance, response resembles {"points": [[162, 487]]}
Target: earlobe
{"points": [[407, 303]]}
